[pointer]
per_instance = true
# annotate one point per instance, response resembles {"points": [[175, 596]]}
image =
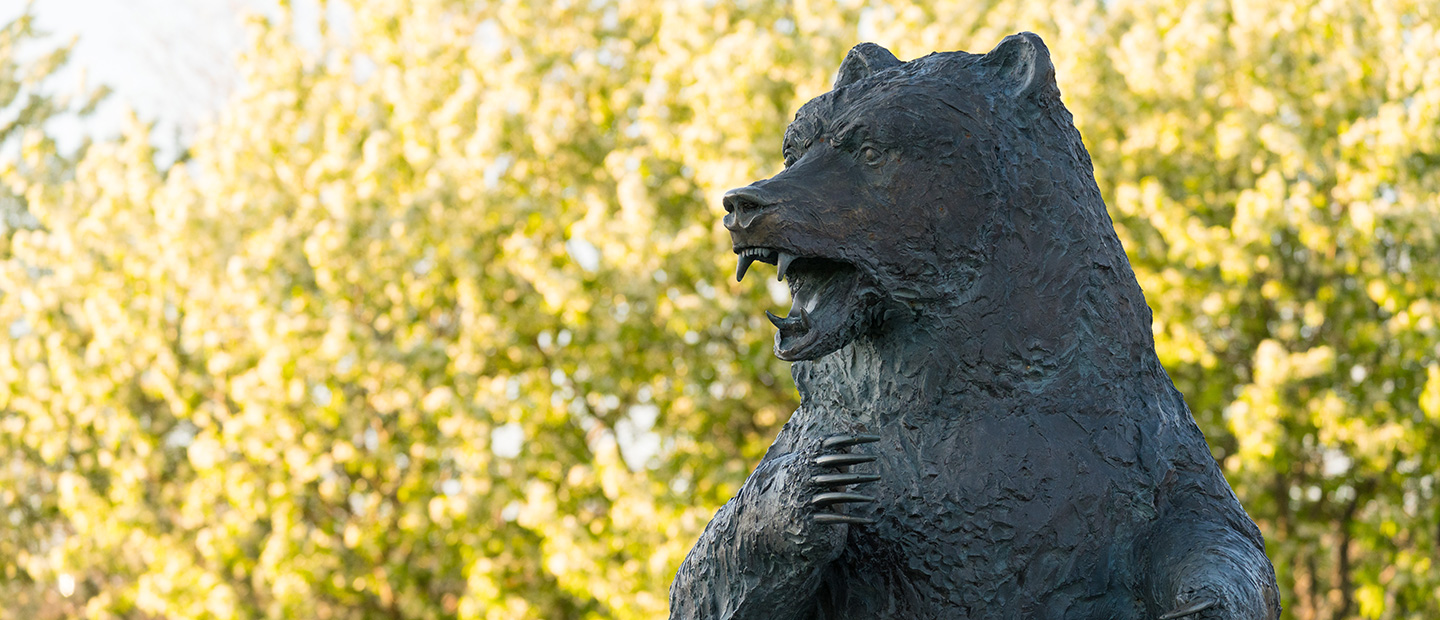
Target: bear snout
{"points": [[744, 204]]}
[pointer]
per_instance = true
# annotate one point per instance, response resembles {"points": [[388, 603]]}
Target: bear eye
{"points": [[789, 158], [872, 155]]}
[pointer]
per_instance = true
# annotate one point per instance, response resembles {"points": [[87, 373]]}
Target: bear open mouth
{"points": [[827, 302]]}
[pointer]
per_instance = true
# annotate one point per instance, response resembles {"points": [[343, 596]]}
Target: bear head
{"points": [[951, 192]]}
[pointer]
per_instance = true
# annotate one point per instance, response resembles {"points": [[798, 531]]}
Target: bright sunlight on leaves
{"points": [[437, 321]]}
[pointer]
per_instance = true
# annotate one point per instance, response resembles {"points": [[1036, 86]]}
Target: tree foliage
{"points": [[436, 320]]}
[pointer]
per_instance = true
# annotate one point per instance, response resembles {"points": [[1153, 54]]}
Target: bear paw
{"points": [[794, 504]]}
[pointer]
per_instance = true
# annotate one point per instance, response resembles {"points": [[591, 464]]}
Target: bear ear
{"points": [[863, 61], [1022, 64]]}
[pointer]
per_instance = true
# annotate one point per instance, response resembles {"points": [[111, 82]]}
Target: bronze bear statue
{"points": [[985, 430]]}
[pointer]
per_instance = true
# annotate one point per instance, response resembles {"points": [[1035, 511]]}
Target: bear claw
{"points": [[845, 441], [1192, 609], [831, 519], [841, 460], [826, 499]]}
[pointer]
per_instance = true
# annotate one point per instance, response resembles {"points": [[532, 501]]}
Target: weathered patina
{"points": [[984, 430]]}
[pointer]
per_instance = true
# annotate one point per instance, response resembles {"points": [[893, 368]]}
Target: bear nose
{"points": [[742, 205]]}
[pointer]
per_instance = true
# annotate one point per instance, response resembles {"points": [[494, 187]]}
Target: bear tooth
{"points": [[774, 320], [784, 263], [743, 266]]}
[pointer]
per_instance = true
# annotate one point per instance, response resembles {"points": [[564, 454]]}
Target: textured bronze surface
{"points": [[984, 430]]}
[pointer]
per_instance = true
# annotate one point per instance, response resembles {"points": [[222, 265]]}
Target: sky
{"points": [[171, 61]]}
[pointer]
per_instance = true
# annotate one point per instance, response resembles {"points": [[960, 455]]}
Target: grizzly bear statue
{"points": [[984, 429]]}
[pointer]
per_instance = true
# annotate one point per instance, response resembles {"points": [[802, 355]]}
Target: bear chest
{"points": [[995, 513]]}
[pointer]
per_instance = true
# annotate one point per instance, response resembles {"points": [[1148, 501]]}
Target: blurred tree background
{"points": [[437, 320]]}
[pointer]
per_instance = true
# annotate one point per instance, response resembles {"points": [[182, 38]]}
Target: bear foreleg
{"points": [[1198, 568], [762, 555]]}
